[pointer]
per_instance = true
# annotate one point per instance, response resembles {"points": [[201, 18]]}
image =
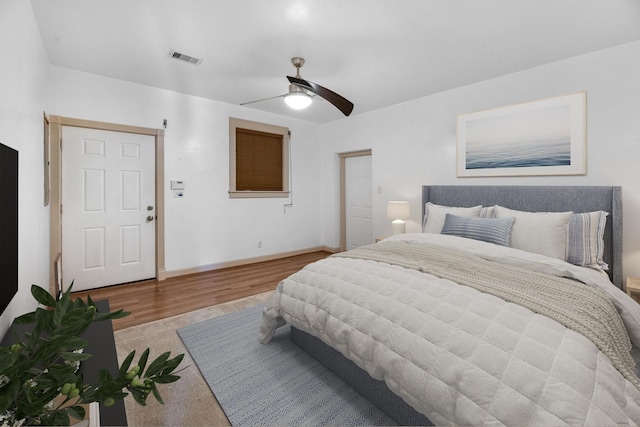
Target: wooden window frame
{"points": [[259, 127]]}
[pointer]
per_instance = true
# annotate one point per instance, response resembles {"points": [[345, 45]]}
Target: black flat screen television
{"points": [[8, 225]]}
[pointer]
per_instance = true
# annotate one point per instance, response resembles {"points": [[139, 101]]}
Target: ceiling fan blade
{"points": [[263, 99], [338, 101]]}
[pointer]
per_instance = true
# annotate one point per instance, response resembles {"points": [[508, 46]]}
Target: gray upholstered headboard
{"points": [[544, 199]]}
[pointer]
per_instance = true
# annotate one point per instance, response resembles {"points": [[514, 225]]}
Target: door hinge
{"points": [[60, 209]]}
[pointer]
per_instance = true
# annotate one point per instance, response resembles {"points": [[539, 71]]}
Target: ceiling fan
{"points": [[302, 91]]}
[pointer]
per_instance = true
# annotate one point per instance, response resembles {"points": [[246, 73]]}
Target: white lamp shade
{"points": [[297, 100], [398, 210]]}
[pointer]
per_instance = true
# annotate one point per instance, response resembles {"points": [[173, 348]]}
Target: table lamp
{"points": [[398, 212]]}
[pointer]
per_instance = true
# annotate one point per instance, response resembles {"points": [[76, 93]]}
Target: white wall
{"points": [[414, 143], [205, 227], [23, 98]]}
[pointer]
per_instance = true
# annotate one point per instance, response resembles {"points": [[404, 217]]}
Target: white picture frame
{"points": [[544, 137]]}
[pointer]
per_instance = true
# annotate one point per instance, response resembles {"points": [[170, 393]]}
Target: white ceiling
{"points": [[375, 53]]}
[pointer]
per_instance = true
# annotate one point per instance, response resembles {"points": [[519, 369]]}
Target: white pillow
{"points": [[542, 233], [435, 215]]}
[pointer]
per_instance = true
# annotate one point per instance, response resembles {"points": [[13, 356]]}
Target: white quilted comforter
{"points": [[455, 354]]}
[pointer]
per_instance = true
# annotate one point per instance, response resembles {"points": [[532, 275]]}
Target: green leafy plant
{"points": [[39, 379]]}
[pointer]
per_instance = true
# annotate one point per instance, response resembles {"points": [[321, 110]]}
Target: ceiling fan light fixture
{"points": [[298, 100], [301, 93]]}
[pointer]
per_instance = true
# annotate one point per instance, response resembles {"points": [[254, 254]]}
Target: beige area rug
{"points": [[189, 401]]}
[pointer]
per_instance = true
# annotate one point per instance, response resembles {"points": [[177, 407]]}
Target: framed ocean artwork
{"points": [[544, 137]]}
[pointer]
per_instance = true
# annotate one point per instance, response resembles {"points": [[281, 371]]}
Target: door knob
{"points": [[150, 218]]}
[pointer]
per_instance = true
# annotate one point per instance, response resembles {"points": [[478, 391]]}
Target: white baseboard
{"points": [[235, 263]]}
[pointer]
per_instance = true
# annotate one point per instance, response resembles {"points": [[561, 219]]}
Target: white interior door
{"points": [[359, 206], [108, 207]]}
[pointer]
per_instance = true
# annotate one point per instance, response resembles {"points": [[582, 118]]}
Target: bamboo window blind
{"points": [[258, 161]]}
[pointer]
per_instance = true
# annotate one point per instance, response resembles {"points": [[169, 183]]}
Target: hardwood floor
{"points": [[152, 300]]}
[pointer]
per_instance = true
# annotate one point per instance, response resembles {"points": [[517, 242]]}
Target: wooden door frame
{"points": [[343, 193], [53, 146]]}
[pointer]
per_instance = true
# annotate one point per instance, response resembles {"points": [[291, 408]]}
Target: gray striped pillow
{"points": [[585, 242], [488, 212], [492, 230]]}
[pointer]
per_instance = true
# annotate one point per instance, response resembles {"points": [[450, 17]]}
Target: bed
{"points": [[440, 328]]}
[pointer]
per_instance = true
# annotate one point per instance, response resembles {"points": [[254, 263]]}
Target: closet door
{"points": [[358, 201]]}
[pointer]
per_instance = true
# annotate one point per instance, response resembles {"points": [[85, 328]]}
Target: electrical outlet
{"points": [[259, 244]]}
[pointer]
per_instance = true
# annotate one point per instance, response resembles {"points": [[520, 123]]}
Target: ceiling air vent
{"points": [[183, 57]]}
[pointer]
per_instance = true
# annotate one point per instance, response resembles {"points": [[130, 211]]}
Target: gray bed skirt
{"points": [[376, 391]]}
